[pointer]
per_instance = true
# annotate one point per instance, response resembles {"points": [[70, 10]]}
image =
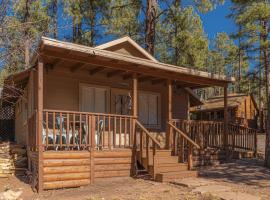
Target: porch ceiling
{"points": [[102, 61]]}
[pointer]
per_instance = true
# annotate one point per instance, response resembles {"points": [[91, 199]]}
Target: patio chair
{"points": [[98, 135]]}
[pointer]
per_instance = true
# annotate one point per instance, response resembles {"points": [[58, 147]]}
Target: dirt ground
{"points": [[243, 176]]}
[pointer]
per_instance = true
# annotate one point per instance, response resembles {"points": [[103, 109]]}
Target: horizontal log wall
{"points": [[63, 169]]}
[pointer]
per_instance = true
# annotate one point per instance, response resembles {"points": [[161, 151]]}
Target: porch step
{"points": [[167, 168], [159, 153], [171, 176]]}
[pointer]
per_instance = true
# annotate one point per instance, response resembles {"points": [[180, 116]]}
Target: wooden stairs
{"points": [[161, 165], [165, 167]]}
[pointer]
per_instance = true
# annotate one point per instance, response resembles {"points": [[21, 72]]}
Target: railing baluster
{"points": [[103, 136], [114, 132], [47, 129], [54, 133], [141, 146], [120, 132], [147, 151], [67, 134], [125, 132], [61, 129], [80, 130], [73, 130], [109, 133]]}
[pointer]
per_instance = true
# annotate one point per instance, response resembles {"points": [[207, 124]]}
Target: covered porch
{"points": [[106, 114]]}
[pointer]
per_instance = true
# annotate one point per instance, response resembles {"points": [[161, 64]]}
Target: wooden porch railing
{"points": [[211, 134], [240, 137], [144, 144], [64, 130], [180, 142], [204, 133]]}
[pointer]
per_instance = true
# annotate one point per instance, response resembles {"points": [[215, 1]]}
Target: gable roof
{"points": [[127, 43], [217, 103]]}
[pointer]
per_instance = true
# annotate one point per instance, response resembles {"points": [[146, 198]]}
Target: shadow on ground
{"points": [[249, 172]]}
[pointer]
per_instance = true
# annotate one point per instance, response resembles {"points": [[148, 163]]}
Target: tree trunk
{"points": [[261, 118], [267, 76], [26, 35], [54, 10], [240, 62], [177, 5], [151, 13]]}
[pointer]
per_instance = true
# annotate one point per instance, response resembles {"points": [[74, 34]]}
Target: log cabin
{"points": [[89, 113], [242, 110]]}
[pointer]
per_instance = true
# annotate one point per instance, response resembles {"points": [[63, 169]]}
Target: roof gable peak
{"points": [[126, 45]]}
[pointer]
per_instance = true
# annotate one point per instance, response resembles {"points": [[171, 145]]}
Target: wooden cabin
{"points": [[242, 109], [89, 113]]}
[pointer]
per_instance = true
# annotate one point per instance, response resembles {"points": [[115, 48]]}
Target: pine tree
{"points": [[181, 38], [254, 18], [124, 20], [86, 19]]}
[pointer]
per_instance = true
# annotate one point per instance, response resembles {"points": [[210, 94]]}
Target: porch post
{"points": [[135, 116], [39, 95], [135, 95], [169, 114], [225, 132]]}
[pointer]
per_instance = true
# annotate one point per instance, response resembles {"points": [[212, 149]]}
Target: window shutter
{"points": [[143, 108], [153, 109]]}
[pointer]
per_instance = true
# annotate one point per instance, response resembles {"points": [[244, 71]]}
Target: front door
{"points": [[121, 102]]}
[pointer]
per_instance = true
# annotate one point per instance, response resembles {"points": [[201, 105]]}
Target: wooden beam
{"points": [[169, 113], [58, 62], [145, 78], [114, 73], [96, 60], [39, 98], [127, 76], [96, 70], [158, 81], [135, 95], [77, 67]]}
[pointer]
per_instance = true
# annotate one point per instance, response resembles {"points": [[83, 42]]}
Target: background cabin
{"points": [[242, 109]]}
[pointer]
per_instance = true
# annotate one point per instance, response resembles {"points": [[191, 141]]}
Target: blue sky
{"points": [[217, 21]]}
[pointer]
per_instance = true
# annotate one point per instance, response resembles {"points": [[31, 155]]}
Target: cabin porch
{"points": [[73, 140]]}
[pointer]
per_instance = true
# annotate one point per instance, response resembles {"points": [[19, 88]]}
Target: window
{"points": [[94, 99], [149, 109]]}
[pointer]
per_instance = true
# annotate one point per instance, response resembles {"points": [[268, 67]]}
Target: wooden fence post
{"points": [[135, 116], [255, 143], [169, 114], [39, 107], [92, 133]]}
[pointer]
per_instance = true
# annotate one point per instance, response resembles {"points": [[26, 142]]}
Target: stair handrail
{"points": [[191, 142], [155, 144], [148, 133], [184, 135]]}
